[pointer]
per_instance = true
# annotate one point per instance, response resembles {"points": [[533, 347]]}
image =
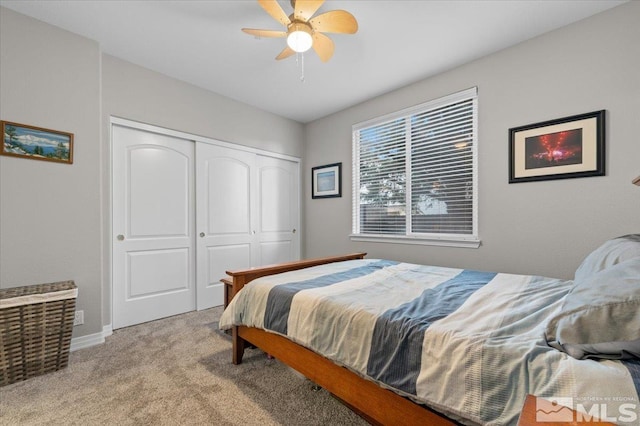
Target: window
{"points": [[414, 174]]}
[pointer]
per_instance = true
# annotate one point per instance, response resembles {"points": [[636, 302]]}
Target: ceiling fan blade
{"points": [[264, 33], [304, 9], [335, 21], [323, 46], [273, 8], [285, 53]]}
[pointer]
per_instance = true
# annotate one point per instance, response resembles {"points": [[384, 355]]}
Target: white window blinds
{"points": [[415, 171]]}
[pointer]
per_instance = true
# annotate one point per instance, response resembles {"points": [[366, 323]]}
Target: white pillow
{"points": [[600, 316], [608, 254]]}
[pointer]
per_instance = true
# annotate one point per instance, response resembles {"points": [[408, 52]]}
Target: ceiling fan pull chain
{"points": [[300, 63]]}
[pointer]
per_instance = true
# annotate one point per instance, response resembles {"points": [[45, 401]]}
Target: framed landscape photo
{"points": [[568, 147], [326, 181], [36, 143]]}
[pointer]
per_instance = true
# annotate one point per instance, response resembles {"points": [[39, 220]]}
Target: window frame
{"points": [[409, 237]]}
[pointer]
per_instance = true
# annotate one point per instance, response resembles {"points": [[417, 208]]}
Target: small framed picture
{"points": [[326, 181], [568, 147], [36, 143]]}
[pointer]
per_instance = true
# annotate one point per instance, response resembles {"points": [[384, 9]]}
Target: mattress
{"points": [[470, 344]]}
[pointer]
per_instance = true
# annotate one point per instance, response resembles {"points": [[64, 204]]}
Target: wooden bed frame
{"points": [[375, 404]]}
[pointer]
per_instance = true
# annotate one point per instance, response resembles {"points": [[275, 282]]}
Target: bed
{"points": [[402, 343]]}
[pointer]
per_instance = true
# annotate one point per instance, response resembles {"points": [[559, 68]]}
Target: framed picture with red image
{"points": [[568, 147]]}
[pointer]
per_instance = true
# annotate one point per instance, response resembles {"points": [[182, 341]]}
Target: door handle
{"points": [[202, 235], [120, 237], [294, 230]]}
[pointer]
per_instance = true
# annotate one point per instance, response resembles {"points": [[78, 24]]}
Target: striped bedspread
{"points": [[469, 344]]}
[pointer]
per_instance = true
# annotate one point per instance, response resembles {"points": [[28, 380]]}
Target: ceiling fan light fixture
{"points": [[304, 31], [299, 37]]}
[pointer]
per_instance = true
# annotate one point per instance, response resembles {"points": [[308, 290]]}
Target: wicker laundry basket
{"points": [[36, 323]]}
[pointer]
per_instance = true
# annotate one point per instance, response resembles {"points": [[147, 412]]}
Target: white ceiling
{"points": [[398, 42]]}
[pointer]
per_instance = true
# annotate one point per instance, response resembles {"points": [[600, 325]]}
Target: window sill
{"points": [[444, 241]]}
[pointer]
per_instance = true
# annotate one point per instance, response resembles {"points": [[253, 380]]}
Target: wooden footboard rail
{"points": [[244, 276]]}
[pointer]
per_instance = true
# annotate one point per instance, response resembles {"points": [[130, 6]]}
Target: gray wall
{"points": [[50, 212], [138, 94], [55, 218], [541, 228]]}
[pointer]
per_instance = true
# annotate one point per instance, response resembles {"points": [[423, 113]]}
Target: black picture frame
{"points": [[326, 181], [569, 147]]}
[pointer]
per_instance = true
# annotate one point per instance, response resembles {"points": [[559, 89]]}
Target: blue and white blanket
{"points": [[469, 344]]}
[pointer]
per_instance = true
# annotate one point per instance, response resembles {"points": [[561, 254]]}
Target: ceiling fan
{"points": [[303, 31]]}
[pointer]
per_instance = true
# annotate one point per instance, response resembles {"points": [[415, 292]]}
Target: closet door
{"points": [[278, 207], [225, 216], [153, 226]]}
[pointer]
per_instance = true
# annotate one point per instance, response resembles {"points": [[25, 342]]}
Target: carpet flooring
{"points": [[174, 371]]}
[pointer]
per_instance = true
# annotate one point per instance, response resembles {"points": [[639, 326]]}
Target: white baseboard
{"points": [[91, 339]]}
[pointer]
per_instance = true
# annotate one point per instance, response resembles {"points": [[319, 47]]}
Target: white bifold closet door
{"points": [[153, 226], [278, 211], [226, 212], [185, 212], [247, 214]]}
